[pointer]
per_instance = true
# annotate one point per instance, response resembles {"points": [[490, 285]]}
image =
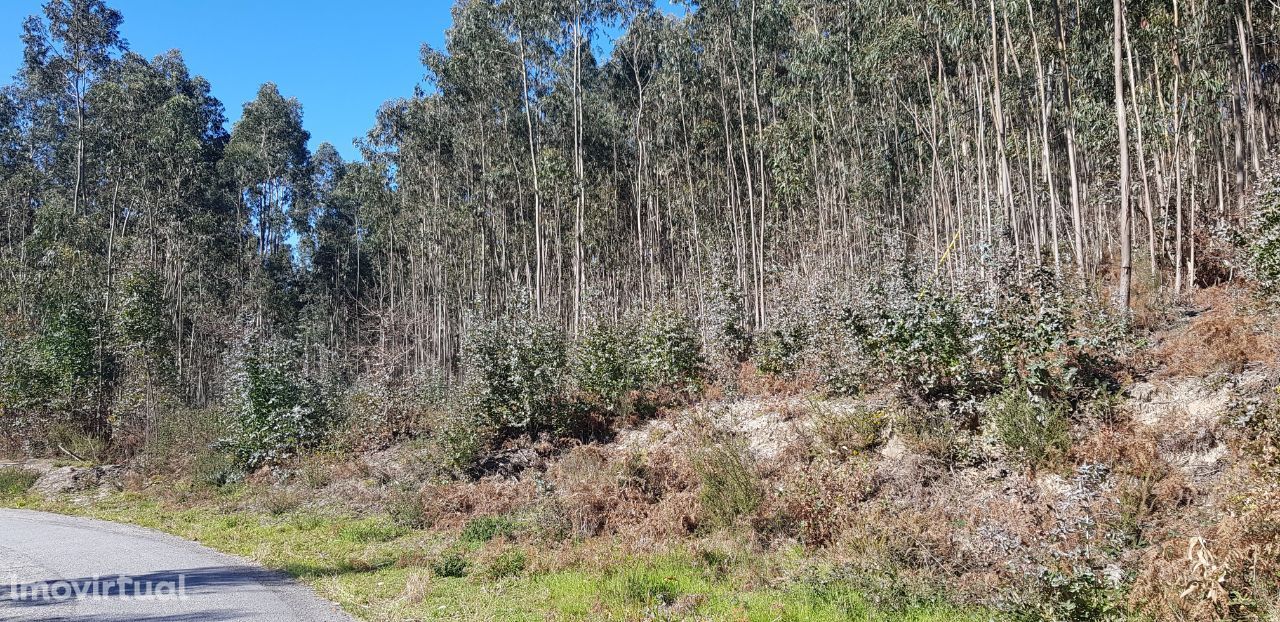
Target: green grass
{"points": [[15, 481], [378, 570]]}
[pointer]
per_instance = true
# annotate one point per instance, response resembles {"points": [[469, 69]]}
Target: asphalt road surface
{"points": [[60, 568]]}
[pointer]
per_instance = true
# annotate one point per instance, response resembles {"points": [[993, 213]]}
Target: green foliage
{"points": [[15, 481], [1078, 595], [142, 323], [1034, 429], [276, 412], [371, 530], [451, 563], [660, 351], [515, 368], [486, 528], [922, 345], [71, 438], [781, 351], [730, 487], [509, 563], [670, 350], [56, 373], [1264, 225], [605, 364], [648, 586]]}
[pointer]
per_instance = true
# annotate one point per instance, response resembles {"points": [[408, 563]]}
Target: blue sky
{"points": [[340, 59]]}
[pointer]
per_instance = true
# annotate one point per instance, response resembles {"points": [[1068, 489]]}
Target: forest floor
{"points": [[1163, 507]]}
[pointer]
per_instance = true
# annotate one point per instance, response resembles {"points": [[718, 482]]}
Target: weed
{"points": [[486, 528], [648, 586], [730, 485], [15, 481], [1035, 429], [451, 563], [406, 509], [370, 531], [509, 563], [283, 501], [842, 433]]}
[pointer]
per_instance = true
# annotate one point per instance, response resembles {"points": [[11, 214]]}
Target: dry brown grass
{"points": [[1226, 338], [752, 382], [602, 491], [1227, 569]]}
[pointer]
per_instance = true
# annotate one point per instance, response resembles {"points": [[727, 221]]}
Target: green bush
{"points": [[514, 368], [509, 563], [921, 345], [605, 365], [486, 528], [16, 481], [1078, 595], [670, 351], [459, 441], [55, 377], [781, 351], [730, 487], [1264, 223], [1035, 429], [664, 353], [451, 563], [277, 413]]}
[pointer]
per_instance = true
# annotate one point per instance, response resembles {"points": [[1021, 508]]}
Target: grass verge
{"points": [[377, 570]]}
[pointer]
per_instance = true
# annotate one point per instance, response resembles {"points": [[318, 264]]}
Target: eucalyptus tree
{"points": [[64, 53], [267, 157]]}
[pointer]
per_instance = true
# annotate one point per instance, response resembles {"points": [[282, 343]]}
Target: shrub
{"points": [[515, 373], [180, 439], [74, 441], [451, 563], [16, 481], [509, 563], [215, 468], [276, 414], [664, 354], [405, 507], [921, 345], [1264, 221], [1078, 595], [670, 351], [459, 441], [730, 486], [725, 317], [842, 433], [281, 501], [1034, 429], [605, 365], [781, 351], [486, 528]]}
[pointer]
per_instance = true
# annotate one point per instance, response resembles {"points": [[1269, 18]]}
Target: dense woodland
{"points": [[742, 168]]}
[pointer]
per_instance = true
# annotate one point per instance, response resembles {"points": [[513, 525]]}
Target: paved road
{"points": [[60, 568]]}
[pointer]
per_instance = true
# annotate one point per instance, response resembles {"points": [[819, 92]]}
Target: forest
{"points": [[595, 211], [748, 165]]}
